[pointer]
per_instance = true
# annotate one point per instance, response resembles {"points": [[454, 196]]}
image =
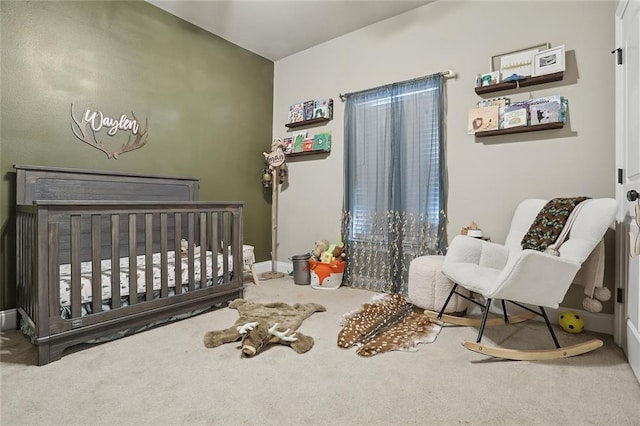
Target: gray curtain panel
{"points": [[395, 181]]}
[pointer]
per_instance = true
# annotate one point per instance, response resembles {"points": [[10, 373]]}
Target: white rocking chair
{"points": [[525, 277]]}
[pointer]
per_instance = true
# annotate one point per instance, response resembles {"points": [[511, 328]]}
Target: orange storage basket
{"points": [[326, 276]]}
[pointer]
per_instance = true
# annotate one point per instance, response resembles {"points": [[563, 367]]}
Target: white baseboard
{"points": [[597, 322], [284, 267], [8, 319]]}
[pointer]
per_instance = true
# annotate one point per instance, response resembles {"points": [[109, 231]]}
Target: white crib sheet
{"points": [[105, 268]]}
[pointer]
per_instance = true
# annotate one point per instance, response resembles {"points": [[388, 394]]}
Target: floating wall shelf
{"points": [[300, 154], [307, 122], [528, 81], [521, 129]]}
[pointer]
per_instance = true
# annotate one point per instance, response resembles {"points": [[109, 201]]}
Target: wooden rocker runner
{"points": [[534, 268], [475, 322]]}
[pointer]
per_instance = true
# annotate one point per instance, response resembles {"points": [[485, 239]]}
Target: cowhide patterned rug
{"points": [[388, 323]]}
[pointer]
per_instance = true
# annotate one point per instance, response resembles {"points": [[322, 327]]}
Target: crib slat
{"points": [[96, 261], [177, 226], [76, 281], [214, 247], [164, 269], [148, 259], [54, 269], [191, 237], [115, 261], [236, 241], [225, 248], [133, 264], [203, 250], [26, 265]]}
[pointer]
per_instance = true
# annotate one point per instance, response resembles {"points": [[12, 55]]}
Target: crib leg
{"points": [[48, 353], [43, 354]]}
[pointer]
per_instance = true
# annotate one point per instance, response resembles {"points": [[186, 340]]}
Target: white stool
{"points": [[429, 288]]}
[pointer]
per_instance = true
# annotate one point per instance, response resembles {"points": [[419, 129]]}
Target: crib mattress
{"points": [[105, 268]]}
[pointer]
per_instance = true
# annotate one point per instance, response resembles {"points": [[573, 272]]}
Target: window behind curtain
{"points": [[394, 182]]}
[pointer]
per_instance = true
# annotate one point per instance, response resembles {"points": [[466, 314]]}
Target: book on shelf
{"points": [[298, 140], [502, 103], [550, 109], [296, 113], [288, 145], [307, 145], [323, 109], [308, 109], [515, 115], [481, 119], [322, 142]]}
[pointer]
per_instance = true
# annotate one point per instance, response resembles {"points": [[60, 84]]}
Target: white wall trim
{"points": [[8, 319], [284, 267], [597, 322]]}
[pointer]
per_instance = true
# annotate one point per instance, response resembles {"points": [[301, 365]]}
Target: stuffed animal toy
{"points": [[321, 247], [184, 247], [339, 253], [260, 325]]}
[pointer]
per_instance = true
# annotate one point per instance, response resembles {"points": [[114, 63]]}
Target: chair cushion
{"points": [[549, 223]]}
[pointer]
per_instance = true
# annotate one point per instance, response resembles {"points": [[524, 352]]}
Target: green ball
{"points": [[571, 322]]}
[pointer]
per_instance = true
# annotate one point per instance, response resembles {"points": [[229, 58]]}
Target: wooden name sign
{"points": [[95, 121]]}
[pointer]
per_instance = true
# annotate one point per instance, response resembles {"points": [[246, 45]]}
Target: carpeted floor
{"points": [[166, 376]]}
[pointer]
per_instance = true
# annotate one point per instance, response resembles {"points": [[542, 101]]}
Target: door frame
{"points": [[619, 309]]}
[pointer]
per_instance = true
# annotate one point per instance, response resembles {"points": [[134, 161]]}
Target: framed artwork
{"points": [[548, 61], [518, 62]]}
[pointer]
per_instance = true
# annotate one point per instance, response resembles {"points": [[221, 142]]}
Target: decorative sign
{"points": [[276, 157], [95, 121]]}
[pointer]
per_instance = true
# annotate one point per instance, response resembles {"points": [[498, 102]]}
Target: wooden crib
{"points": [[143, 244]]}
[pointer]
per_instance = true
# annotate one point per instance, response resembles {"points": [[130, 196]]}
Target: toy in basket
{"points": [[326, 276]]}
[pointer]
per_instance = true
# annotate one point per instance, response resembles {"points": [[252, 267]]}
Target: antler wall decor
{"points": [[86, 128]]}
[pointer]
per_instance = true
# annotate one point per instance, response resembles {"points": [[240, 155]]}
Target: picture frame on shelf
{"points": [[519, 62], [490, 79], [549, 61]]}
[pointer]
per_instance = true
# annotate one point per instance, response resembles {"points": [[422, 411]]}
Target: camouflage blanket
{"points": [[548, 224]]}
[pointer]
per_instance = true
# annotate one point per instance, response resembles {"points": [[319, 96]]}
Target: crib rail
{"points": [[50, 233]]}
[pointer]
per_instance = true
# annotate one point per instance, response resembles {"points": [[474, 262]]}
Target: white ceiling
{"points": [[276, 29]]}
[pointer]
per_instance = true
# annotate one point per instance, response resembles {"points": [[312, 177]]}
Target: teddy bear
{"points": [[339, 253]]}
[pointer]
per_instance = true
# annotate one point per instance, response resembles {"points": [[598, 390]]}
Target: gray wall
{"points": [[487, 177], [208, 102]]}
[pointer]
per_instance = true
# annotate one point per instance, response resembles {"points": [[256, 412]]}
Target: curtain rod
{"points": [[445, 74]]}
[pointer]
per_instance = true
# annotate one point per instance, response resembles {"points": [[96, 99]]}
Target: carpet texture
{"points": [[165, 376]]}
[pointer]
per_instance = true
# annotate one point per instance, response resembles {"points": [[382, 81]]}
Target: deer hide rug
{"points": [[388, 323], [262, 324]]}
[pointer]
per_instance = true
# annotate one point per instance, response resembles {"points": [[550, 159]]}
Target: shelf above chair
{"points": [[528, 81], [521, 129]]}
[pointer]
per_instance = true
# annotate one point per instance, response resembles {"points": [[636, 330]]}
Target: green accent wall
{"points": [[208, 102]]}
